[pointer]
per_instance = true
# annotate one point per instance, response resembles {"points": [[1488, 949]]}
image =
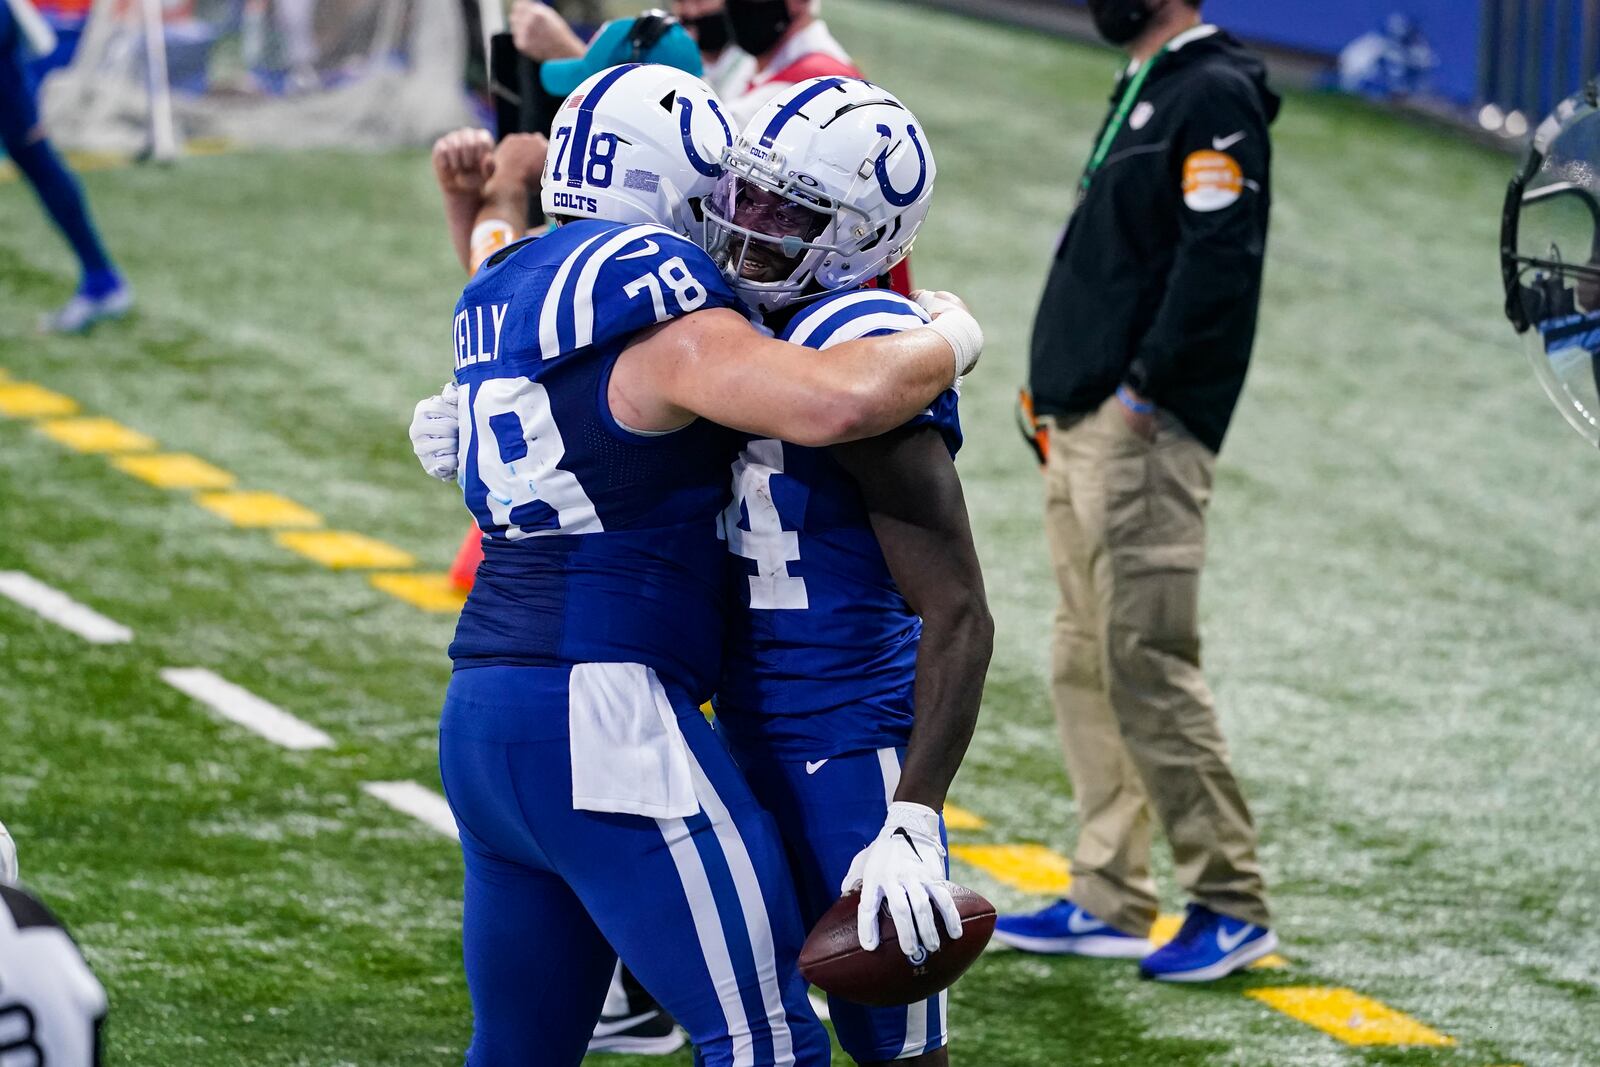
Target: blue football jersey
{"points": [[600, 543], [821, 645]]}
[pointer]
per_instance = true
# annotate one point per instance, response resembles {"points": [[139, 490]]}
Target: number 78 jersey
{"points": [[822, 646], [600, 542]]}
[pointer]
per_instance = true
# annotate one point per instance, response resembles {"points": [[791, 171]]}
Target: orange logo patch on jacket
{"points": [[1211, 181]]}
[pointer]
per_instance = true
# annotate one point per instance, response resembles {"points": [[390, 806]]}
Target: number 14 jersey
{"points": [[600, 543], [822, 647]]}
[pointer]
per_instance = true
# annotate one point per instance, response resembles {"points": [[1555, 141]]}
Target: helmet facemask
{"points": [[1550, 260], [771, 232]]}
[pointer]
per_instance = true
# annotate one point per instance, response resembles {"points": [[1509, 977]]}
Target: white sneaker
{"points": [[82, 312]]}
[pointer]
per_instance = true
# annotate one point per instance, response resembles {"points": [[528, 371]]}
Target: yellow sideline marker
{"points": [[1349, 1016], [1030, 868], [961, 819], [24, 400], [90, 434], [342, 549], [258, 510], [430, 592], [174, 470]]}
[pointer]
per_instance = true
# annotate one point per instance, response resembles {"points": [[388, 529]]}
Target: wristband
{"points": [[1132, 403], [962, 332], [489, 237]]}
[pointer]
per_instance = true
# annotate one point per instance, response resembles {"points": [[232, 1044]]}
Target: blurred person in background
{"points": [[1140, 349], [724, 61], [541, 33], [786, 44], [102, 293]]}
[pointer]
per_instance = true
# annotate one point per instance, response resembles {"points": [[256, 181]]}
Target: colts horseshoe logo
{"points": [[712, 168], [890, 193]]}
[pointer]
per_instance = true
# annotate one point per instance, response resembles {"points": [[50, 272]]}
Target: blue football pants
{"points": [[827, 811], [701, 910]]}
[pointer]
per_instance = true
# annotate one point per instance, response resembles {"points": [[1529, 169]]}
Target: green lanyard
{"points": [[1130, 96]]}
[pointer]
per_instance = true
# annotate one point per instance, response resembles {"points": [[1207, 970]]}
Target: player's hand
{"points": [[435, 434], [463, 160], [519, 164], [937, 302], [539, 32], [955, 324], [904, 868]]}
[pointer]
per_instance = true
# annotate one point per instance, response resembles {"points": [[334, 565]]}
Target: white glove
{"points": [[904, 867], [953, 322], [435, 430]]}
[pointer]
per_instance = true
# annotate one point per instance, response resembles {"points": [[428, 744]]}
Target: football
{"points": [[834, 961]]}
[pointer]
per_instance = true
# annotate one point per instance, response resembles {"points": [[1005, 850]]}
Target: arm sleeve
{"points": [[1221, 157]]}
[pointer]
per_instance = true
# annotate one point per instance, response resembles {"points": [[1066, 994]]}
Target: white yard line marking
{"points": [[417, 801], [57, 607], [245, 708]]}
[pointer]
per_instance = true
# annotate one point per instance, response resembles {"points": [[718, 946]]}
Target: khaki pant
{"points": [[1126, 523]]}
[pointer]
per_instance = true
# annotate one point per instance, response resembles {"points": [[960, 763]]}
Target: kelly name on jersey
{"points": [[545, 465]]}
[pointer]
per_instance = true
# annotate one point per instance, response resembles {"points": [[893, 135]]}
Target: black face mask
{"points": [[1120, 21], [757, 24], [711, 32]]}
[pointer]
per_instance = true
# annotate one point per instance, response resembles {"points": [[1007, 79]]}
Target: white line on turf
{"points": [[417, 801], [245, 708], [57, 607]]}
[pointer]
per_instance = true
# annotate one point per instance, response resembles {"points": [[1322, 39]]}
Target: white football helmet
{"points": [[825, 189], [51, 1005], [637, 143]]}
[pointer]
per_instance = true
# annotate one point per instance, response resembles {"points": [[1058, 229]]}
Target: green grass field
{"points": [[1401, 606]]}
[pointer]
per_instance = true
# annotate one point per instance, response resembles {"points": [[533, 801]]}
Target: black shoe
{"points": [[643, 1028]]}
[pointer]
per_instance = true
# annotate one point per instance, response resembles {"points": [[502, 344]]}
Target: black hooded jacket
{"points": [[1157, 280]]}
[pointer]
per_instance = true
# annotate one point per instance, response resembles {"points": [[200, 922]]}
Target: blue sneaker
{"points": [[1066, 929], [1208, 946]]}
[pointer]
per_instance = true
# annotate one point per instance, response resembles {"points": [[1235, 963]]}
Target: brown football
{"points": [[834, 961]]}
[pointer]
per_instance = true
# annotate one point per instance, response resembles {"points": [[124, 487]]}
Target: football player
{"points": [[838, 552], [102, 293], [52, 1007], [853, 678], [597, 367]]}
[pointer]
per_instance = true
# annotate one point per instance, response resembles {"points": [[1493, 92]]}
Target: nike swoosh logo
{"points": [[652, 249], [608, 1027], [813, 768], [1078, 923], [1221, 144], [1228, 942]]}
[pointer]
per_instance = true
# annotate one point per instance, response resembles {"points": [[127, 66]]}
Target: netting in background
{"points": [[267, 73]]}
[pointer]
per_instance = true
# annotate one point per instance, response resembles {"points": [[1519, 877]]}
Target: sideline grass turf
{"points": [[1401, 602]]}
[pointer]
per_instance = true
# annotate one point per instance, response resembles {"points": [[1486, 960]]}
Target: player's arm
{"points": [[715, 365], [909, 485], [502, 215], [463, 160], [913, 497]]}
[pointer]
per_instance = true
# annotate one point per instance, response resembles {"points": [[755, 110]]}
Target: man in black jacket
{"points": [[1139, 352]]}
